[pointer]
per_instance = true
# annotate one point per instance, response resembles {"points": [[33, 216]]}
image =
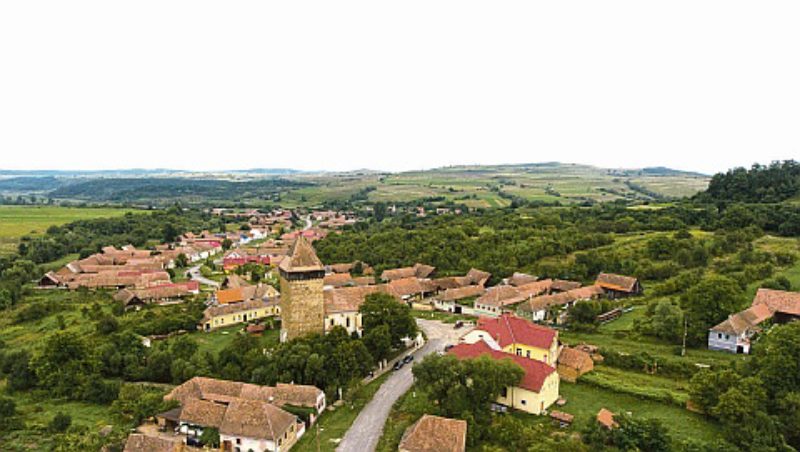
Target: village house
{"points": [[735, 333], [248, 417], [453, 300], [516, 336], [435, 434], [420, 271], [220, 316], [617, 286], [519, 279], [539, 308], [497, 300], [572, 363], [539, 387], [162, 293], [342, 306], [138, 442]]}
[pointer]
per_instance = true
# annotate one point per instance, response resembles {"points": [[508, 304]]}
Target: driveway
{"points": [[366, 430], [194, 273]]}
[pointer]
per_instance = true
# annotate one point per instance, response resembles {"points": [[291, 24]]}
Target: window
{"points": [[524, 402], [719, 335], [504, 392], [238, 441], [529, 354], [519, 352], [348, 322]]}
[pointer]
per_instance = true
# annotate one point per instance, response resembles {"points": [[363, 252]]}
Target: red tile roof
{"points": [[508, 329], [779, 300], [536, 372]]}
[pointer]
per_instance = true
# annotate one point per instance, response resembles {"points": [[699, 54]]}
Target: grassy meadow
{"points": [[18, 221]]}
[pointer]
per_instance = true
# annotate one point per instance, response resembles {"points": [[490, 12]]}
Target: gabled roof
{"points": [[619, 283], [255, 419], [606, 418], [435, 434], [508, 329], [302, 258], [138, 442], [337, 279], [226, 296], [406, 287], [779, 300], [478, 277], [501, 296], [744, 321], [518, 279], [349, 299], [574, 358], [536, 372], [461, 293]]}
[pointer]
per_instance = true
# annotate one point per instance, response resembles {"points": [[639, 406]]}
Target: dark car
{"points": [[448, 347], [398, 365], [193, 441], [458, 324], [408, 359]]}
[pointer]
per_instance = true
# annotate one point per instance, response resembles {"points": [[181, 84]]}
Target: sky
{"points": [[339, 85]]}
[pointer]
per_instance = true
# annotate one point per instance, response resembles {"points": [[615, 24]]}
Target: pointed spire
{"points": [[302, 258]]}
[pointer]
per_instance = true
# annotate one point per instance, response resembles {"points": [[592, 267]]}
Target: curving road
{"points": [[367, 429], [195, 275]]}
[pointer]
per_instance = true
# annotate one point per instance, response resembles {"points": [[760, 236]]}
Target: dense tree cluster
{"points": [[772, 183], [758, 404]]}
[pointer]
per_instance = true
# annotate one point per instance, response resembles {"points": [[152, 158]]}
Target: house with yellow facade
{"points": [[246, 311], [535, 393], [516, 336]]}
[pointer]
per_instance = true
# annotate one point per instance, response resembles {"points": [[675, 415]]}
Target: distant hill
{"points": [[471, 185]]}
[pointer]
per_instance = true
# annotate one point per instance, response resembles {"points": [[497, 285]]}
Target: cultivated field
{"points": [[18, 221]]}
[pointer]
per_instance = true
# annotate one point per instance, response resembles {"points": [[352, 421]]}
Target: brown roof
{"points": [[741, 322], [406, 287], [478, 277], [337, 279], [461, 293], [256, 419], [616, 282], [364, 280], [217, 390], [450, 282], [779, 300], [202, 412], [575, 359], [138, 442], [563, 285], [435, 434], [606, 418], [302, 258], [519, 279], [501, 296], [558, 299], [349, 299], [535, 288], [234, 281], [226, 296], [418, 270]]}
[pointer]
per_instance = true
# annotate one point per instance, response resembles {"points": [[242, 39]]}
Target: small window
{"points": [[238, 441], [504, 392], [524, 402], [719, 335], [519, 352], [528, 353]]}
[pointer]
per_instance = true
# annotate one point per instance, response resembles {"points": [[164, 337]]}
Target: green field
{"points": [[18, 221]]}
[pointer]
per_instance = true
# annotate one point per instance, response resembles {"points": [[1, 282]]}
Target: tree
{"points": [[382, 309], [631, 434], [227, 244], [60, 423], [63, 364], [708, 303], [170, 233], [210, 437], [466, 388], [664, 320], [706, 387], [379, 342], [181, 261], [583, 315], [8, 411]]}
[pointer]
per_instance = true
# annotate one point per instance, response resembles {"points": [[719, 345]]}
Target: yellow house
{"points": [[538, 389], [230, 314], [516, 336]]}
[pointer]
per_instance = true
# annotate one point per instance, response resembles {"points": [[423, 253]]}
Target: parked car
{"points": [[408, 359], [193, 441], [448, 347], [398, 365], [458, 324]]}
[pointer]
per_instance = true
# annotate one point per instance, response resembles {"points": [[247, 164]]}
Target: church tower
{"points": [[302, 302]]}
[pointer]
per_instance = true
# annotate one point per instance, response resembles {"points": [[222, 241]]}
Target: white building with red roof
{"points": [[516, 336], [536, 391]]}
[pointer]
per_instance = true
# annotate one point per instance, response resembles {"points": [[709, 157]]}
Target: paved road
{"points": [[194, 273], [366, 430], [308, 223]]}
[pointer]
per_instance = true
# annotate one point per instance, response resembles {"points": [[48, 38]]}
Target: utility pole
{"points": [[685, 333]]}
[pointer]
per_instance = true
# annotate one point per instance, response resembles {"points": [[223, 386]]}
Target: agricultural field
{"points": [[18, 221]]}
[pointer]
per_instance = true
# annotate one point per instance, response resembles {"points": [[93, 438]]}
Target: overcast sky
{"points": [[336, 85]]}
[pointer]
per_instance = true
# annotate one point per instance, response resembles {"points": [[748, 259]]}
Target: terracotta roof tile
{"points": [[536, 372], [435, 434]]}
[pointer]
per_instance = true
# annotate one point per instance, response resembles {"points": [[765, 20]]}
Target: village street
{"points": [[194, 274], [366, 430]]}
